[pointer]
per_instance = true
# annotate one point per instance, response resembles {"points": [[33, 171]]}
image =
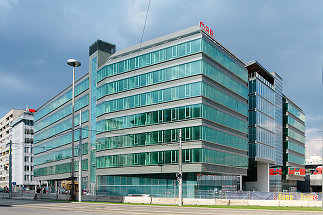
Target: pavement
{"points": [[23, 207]]}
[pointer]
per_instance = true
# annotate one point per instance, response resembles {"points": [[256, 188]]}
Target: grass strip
{"points": [[228, 206]]}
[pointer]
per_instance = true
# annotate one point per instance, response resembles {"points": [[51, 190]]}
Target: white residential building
{"points": [[22, 153], [5, 136]]}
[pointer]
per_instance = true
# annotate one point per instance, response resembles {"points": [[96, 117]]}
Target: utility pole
{"points": [[180, 172], [322, 155], [10, 170], [80, 159]]}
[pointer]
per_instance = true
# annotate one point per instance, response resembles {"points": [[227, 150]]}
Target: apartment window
{"points": [[136, 159], [29, 131], [173, 135], [160, 116], [174, 114], [188, 112], [29, 140], [188, 155], [188, 90], [160, 136], [173, 156], [188, 132], [160, 95], [148, 139], [174, 93]]}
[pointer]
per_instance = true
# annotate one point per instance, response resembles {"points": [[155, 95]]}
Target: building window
{"points": [[173, 136], [173, 156]]}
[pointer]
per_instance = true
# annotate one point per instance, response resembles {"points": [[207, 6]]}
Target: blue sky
{"points": [[38, 36]]}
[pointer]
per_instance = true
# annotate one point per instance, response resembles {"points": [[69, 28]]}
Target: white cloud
{"points": [[314, 147], [6, 6], [313, 142], [314, 118]]}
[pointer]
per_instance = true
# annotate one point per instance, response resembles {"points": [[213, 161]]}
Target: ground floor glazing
{"points": [[195, 185]]}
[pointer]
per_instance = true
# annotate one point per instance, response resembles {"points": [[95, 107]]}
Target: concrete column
{"points": [[262, 183]]}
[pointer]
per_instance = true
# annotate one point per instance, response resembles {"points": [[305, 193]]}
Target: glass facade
{"points": [[294, 134], [135, 102], [53, 137], [171, 157], [60, 168], [226, 87], [165, 54], [171, 136], [94, 66], [66, 111], [279, 119], [220, 114], [195, 185], [60, 155], [60, 127], [265, 124], [294, 142], [56, 103], [159, 56], [59, 141], [172, 94], [172, 115], [261, 118]]}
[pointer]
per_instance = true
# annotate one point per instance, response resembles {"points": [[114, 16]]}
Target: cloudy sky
{"points": [[37, 36]]}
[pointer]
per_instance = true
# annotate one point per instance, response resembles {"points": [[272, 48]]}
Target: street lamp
{"points": [[74, 63]]}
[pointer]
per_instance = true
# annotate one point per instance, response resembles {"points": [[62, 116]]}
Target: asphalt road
{"points": [[24, 207]]}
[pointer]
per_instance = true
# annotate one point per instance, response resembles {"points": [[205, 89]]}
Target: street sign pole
{"points": [[180, 175], [10, 170]]}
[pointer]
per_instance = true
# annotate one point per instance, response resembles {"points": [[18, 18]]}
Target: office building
{"points": [[273, 152], [262, 129], [294, 145], [53, 137], [135, 102]]}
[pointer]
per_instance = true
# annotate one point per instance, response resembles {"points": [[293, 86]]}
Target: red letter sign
{"points": [[206, 29]]}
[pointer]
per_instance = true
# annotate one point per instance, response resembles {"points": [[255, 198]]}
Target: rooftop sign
{"points": [[206, 29]]}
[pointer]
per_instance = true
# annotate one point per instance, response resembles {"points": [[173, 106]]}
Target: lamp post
{"points": [[74, 63]]}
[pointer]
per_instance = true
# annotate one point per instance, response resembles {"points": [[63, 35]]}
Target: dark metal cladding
{"points": [[102, 46]]}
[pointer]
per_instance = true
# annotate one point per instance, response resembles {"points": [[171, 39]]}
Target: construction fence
{"points": [[267, 196]]}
